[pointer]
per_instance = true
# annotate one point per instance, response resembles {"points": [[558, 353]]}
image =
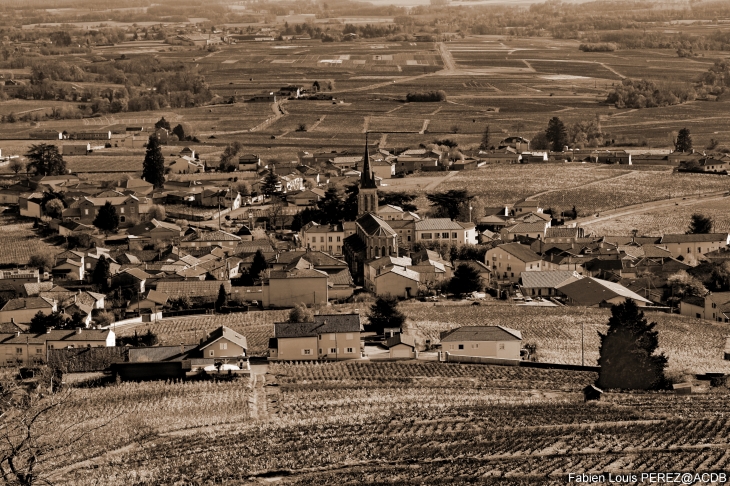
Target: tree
{"points": [[102, 274], [258, 265], [54, 208], [162, 123], [556, 134], [17, 165], [700, 224], [627, 351], [228, 160], [42, 261], [41, 322], [179, 132], [44, 159], [540, 142], [107, 218], [222, 298], [403, 200], [242, 187], [270, 184], [466, 280], [157, 212], [385, 313], [300, 313], [484, 145], [153, 167], [330, 206], [145, 340], [275, 213], [449, 203], [684, 141]]}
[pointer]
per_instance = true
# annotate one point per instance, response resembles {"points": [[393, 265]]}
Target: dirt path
{"points": [[366, 124], [612, 70], [383, 140], [446, 57], [433, 185], [424, 127], [534, 196], [316, 124], [257, 403], [651, 206]]}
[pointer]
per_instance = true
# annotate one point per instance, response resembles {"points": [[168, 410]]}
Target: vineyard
{"points": [[673, 219], [18, 242], [419, 423]]}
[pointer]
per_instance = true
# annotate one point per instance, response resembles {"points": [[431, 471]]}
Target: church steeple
{"points": [[367, 198]]}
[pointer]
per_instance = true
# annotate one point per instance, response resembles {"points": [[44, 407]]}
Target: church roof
{"points": [[367, 181], [374, 226]]}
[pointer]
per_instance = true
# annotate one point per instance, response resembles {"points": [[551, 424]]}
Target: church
{"points": [[373, 237]]}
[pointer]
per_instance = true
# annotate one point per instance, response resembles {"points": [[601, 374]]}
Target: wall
{"points": [[489, 349], [395, 285], [232, 350], [288, 292], [290, 349]]}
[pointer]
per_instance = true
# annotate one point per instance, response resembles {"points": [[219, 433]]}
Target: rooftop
{"points": [[481, 333]]}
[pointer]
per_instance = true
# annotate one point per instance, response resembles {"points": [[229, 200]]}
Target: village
{"points": [[251, 237]]}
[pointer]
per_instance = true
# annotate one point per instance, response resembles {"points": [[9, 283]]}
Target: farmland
{"points": [[18, 242], [406, 423]]}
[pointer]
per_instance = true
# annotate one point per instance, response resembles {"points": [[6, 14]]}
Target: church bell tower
{"points": [[367, 197]]}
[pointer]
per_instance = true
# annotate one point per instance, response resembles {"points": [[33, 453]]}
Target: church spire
{"points": [[367, 181]]}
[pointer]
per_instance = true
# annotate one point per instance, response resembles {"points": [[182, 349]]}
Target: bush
{"points": [[426, 96], [598, 47]]}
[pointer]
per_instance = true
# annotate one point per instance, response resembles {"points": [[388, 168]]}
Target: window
{"points": [[426, 236], [19, 350], [348, 336], [474, 346], [224, 345], [454, 236], [333, 350], [437, 235], [445, 236], [688, 250], [321, 239], [461, 346], [329, 239], [314, 239], [38, 351], [50, 346], [409, 238], [339, 248], [121, 210], [306, 351], [338, 240], [330, 248], [349, 350], [699, 249], [320, 350], [513, 274], [86, 212], [320, 337], [501, 345], [210, 353], [122, 219]]}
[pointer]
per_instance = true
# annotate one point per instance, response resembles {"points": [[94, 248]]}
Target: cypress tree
{"points": [[153, 167]]}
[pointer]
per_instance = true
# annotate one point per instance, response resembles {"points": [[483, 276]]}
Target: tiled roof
{"points": [[27, 303], [548, 279], [137, 273], [481, 333], [561, 232], [215, 235], [403, 272], [592, 291], [225, 332], [389, 261], [160, 353], [323, 324], [400, 338], [374, 226], [342, 277], [521, 252], [193, 288], [526, 228], [33, 289], [694, 238], [316, 258], [57, 335], [297, 273], [435, 224], [253, 246]]}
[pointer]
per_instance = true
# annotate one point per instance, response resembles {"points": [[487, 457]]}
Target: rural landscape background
{"points": [[620, 75]]}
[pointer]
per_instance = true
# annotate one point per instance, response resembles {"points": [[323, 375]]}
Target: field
{"points": [[556, 332], [18, 242], [673, 219], [399, 423]]}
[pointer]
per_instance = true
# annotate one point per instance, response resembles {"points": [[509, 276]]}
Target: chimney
{"points": [[48, 330], [78, 330], [17, 333]]}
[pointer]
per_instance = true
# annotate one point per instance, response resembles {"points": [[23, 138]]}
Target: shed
{"points": [[402, 346], [682, 388], [592, 393]]}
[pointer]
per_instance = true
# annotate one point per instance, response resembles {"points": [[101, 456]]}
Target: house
{"points": [[612, 157], [563, 234], [544, 283], [505, 157], [152, 304], [401, 346], [199, 238], [69, 265], [224, 345], [694, 245], [445, 230], [135, 186], [307, 197], [329, 336], [715, 306], [206, 289], [92, 135], [408, 165], [24, 309], [249, 163], [483, 341], [85, 209], [517, 231], [510, 260], [287, 288], [184, 165], [46, 135], [133, 278], [396, 281], [372, 268], [534, 157], [320, 237], [156, 231], [30, 204], [75, 149], [31, 348], [520, 144], [485, 273], [381, 168], [594, 292]]}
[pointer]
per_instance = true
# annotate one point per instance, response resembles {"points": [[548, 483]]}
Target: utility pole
{"points": [[582, 352]]}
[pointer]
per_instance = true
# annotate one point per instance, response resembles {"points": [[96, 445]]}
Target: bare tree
{"points": [[17, 165], [276, 212]]}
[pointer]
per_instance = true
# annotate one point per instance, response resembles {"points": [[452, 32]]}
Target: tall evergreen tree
{"points": [[107, 218], [222, 298], [403, 200], [271, 181], [153, 167], [627, 353], [465, 280], [258, 265], [44, 159], [556, 134], [449, 202], [330, 206], [484, 145], [162, 123], [102, 274], [684, 141], [385, 313], [700, 224]]}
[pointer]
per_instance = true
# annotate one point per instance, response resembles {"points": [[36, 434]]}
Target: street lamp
{"points": [[470, 208]]}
